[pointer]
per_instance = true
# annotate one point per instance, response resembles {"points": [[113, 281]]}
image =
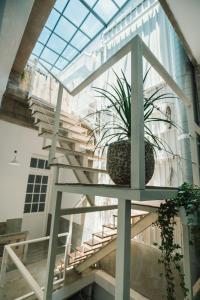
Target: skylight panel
{"points": [[91, 26], [91, 2], [71, 26], [80, 40], [70, 53], [61, 63], [120, 2], [44, 35], [106, 9], [56, 43], [49, 56], [60, 5], [38, 49], [76, 12], [52, 20], [65, 29]]}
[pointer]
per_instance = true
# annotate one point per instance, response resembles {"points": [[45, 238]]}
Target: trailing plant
{"points": [[119, 110], [188, 197]]}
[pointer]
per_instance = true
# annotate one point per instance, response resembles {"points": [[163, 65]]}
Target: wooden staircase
{"points": [[100, 239], [74, 141]]}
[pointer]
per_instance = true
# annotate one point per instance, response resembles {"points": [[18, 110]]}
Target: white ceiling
{"points": [[187, 16]]}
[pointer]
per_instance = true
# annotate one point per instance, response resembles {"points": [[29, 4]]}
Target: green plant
{"points": [[188, 197], [119, 109]]}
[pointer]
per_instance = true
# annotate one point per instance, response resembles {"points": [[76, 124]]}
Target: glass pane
{"points": [[29, 188], [53, 18], [70, 53], [36, 198], [91, 26], [60, 5], [47, 165], [27, 208], [38, 49], [37, 188], [33, 163], [56, 72], [44, 189], [91, 2], [31, 178], [42, 197], [41, 207], [45, 179], [56, 43], [49, 56], [44, 35], [65, 29], [38, 178], [28, 198], [79, 40], [41, 163], [105, 9], [48, 66], [61, 63], [120, 2], [76, 12], [34, 208]]}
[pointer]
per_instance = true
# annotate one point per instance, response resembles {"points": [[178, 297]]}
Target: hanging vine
{"points": [[188, 196]]}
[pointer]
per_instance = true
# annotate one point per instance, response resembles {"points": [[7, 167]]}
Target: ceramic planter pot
{"points": [[119, 162]]}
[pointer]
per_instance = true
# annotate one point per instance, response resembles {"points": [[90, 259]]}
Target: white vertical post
{"points": [[3, 267], [56, 124], [53, 246], [186, 252], [122, 283], [137, 117]]}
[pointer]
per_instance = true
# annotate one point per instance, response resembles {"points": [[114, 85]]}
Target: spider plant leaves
{"points": [[119, 109]]}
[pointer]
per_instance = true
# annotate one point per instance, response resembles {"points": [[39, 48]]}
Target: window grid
{"points": [[62, 12], [37, 186]]}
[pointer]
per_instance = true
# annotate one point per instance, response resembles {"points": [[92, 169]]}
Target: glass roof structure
{"points": [[72, 25]]}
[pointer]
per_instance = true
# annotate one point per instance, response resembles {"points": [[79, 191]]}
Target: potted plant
{"points": [[116, 133]]}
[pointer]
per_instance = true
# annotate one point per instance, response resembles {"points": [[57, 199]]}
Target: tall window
{"points": [[37, 186]]}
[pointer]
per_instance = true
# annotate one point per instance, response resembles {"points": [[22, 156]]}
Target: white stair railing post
{"points": [[53, 246], [3, 267], [123, 254], [52, 151], [137, 117]]}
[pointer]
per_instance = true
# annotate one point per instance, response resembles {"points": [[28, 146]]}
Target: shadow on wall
{"points": [[145, 272]]}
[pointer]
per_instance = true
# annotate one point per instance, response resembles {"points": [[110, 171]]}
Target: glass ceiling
{"points": [[71, 27]]}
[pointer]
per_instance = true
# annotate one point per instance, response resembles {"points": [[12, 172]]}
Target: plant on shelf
{"points": [[188, 197], [116, 132]]}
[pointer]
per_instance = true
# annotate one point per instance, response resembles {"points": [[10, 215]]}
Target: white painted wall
{"points": [[14, 15], [13, 179]]}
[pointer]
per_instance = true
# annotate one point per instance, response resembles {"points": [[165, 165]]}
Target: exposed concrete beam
{"points": [[38, 17], [14, 15], [177, 29]]}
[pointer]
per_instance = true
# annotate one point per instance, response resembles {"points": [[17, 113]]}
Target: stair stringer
{"points": [[80, 175], [137, 228]]}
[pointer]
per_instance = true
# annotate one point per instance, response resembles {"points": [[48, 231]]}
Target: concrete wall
{"points": [[145, 272], [14, 16]]}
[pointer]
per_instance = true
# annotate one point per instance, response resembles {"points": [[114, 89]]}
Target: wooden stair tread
{"points": [[93, 242], [84, 249], [64, 132], [135, 213], [103, 235], [87, 169], [88, 153], [110, 226], [62, 137]]}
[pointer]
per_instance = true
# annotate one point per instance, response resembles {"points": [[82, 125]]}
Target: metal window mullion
{"points": [[137, 117]]}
